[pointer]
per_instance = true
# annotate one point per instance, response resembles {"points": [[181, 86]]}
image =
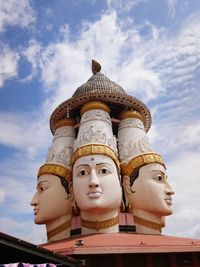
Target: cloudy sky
{"points": [[150, 47]]}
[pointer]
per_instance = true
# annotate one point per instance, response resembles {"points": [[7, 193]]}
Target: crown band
{"points": [[94, 105], [55, 170], [64, 122], [130, 114], [95, 149], [139, 161]]}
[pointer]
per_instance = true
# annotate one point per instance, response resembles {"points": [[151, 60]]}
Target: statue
{"points": [[52, 206], [96, 181], [86, 161], [53, 200], [147, 191]]}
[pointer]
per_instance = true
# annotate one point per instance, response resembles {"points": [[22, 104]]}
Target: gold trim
{"points": [[139, 161], [64, 122], [98, 225], [55, 170], [59, 229], [147, 223], [94, 105], [95, 149], [130, 114]]}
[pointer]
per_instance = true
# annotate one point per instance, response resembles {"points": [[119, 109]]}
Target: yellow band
{"points": [[94, 105], [95, 149], [64, 122], [147, 223], [98, 225], [130, 114], [55, 170], [139, 161]]}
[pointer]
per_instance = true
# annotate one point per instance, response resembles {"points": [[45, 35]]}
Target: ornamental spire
{"points": [[96, 67]]}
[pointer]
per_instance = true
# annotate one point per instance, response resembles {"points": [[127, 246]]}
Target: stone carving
{"points": [[130, 148], [51, 155], [64, 157], [131, 123], [99, 115], [64, 132], [95, 136]]}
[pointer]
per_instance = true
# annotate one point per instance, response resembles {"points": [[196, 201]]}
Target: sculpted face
{"points": [[51, 201], [96, 184], [151, 191]]}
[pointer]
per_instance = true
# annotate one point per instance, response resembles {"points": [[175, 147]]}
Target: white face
{"points": [[152, 192], [51, 201], [96, 184]]}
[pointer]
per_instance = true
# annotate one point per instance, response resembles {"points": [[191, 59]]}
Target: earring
{"points": [[122, 207], [75, 209], [128, 207]]}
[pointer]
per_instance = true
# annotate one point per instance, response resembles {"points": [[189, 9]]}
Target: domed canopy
{"points": [[99, 83], [99, 87]]}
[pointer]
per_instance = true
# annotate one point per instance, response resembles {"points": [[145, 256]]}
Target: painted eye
{"points": [[158, 178], [42, 188], [103, 171], [83, 172]]}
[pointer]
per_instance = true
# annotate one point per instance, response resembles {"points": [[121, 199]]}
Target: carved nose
{"points": [[169, 189], [94, 181], [34, 200]]}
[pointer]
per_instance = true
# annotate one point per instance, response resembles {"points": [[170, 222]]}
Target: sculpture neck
{"points": [[59, 228], [148, 223], [100, 223]]}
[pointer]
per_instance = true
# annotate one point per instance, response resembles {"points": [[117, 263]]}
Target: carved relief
{"points": [[64, 132], [99, 115], [64, 157], [94, 135], [131, 148], [51, 154], [131, 123]]}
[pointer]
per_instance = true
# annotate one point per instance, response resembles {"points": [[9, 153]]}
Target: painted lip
{"points": [[94, 194], [168, 201], [35, 211]]}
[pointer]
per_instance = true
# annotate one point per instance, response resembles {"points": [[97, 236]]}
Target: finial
{"points": [[96, 67]]}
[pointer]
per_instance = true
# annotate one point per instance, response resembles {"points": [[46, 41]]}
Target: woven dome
{"points": [[100, 88], [99, 83]]}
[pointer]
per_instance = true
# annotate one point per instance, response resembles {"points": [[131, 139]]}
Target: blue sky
{"points": [[150, 47]]}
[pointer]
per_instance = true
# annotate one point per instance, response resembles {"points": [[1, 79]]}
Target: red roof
{"points": [[122, 243]]}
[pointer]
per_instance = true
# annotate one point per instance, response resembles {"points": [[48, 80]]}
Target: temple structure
{"points": [[103, 192]]}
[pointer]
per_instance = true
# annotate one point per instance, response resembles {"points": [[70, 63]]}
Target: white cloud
{"points": [[184, 178], [172, 7], [8, 64], [16, 13], [11, 226], [2, 196], [123, 6], [18, 131], [32, 54]]}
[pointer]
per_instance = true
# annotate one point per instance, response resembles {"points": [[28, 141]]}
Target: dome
{"points": [[99, 83], [100, 88]]}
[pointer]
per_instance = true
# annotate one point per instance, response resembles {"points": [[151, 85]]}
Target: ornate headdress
{"points": [[59, 157], [134, 146], [95, 134]]}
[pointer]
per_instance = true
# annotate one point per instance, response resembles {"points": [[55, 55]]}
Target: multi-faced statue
{"points": [[147, 192], [96, 181], [52, 204], [149, 197], [52, 201]]}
